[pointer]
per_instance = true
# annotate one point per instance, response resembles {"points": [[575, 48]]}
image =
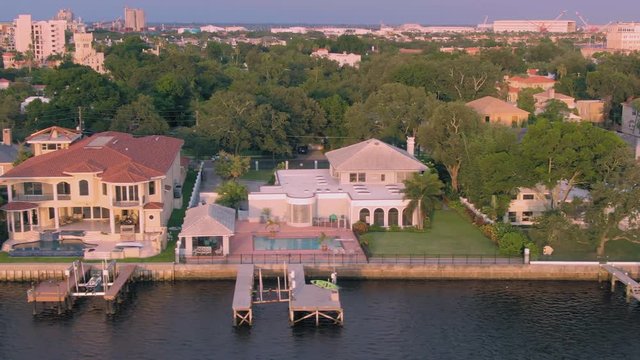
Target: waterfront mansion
{"points": [[110, 183], [364, 182]]}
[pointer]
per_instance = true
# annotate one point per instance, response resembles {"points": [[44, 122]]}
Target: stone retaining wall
{"points": [[173, 272]]}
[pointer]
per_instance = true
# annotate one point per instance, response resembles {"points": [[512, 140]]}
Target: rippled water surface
{"points": [[383, 320]]}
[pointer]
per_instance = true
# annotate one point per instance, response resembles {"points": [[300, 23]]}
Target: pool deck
{"points": [[242, 241]]}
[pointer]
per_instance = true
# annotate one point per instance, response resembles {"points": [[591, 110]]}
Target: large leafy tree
{"points": [[423, 192], [391, 113], [446, 136], [229, 118], [231, 167], [491, 174], [231, 194], [140, 118], [578, 153]]}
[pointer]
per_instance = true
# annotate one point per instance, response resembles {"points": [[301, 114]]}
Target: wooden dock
{"points": [[124, 275], [312, 302], [83, 280], [242, 296], [632, 287], [56, 292]]}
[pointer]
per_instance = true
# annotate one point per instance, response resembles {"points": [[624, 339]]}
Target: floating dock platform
{"points": [[312, 302]]}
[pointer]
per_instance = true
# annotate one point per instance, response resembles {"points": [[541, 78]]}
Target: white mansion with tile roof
{"points": [[109, 183], [364, 182]]}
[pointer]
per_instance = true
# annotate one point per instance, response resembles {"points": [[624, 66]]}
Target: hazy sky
{"points": [[332, 11]]}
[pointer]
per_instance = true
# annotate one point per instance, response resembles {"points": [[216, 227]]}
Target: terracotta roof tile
{"points": [[123, 158], [19, 206], [154, 206]]}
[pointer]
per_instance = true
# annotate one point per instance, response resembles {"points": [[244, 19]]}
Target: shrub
{"points": [[490, 232], [512, 243], [360, 227], [504, 228], [426, 222], [376, 228], [395, 228]]}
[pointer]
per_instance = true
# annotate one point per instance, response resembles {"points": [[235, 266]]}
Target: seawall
{"points": [[565, 271]]}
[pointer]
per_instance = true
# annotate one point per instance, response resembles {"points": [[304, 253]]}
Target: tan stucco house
{"points": [[363, 182], [496, 111], [111, 184]]}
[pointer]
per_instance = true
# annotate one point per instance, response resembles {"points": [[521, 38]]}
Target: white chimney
{"points": [[6, 136], [411, 145]]}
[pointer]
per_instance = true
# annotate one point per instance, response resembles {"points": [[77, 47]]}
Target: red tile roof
{"points": [[19, 206], [154, 206], [535, 79], [116, 157]]}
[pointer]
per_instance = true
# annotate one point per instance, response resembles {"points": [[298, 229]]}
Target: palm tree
{"points": [[423, 192]]}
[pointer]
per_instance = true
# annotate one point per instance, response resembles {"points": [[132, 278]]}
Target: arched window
{"points": [[83, 185], [364, 215], [393, 217], [63, 188], [378, 217], [407, 217]]}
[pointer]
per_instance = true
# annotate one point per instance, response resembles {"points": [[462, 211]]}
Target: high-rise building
{"points": [[134, 20], [44, 38], [85, 54], [624, 36], [22, 37], [64, 14]]}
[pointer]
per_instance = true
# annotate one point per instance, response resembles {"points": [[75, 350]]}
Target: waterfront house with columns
{"points": [[112, 184], [364, 182]]}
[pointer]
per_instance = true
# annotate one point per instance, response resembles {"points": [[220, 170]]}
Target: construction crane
{"points": [[542, 27], [560, 15], [588, 28]]}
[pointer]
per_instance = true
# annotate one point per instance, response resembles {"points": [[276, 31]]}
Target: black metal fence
{"points": [[269, 164], [346, 259]]}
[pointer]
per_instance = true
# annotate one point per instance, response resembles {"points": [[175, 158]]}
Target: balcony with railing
{"points": [[129, 203], [32, 197]]}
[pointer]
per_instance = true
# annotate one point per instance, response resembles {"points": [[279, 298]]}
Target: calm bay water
{"points": [[383, 320]]}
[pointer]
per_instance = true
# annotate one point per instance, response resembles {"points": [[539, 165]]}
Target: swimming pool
{"points": [[67, 247], [300, 243]]}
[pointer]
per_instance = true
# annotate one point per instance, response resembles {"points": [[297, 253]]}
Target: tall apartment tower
{"points": [[624, 36], [134, 20], [44, 38], [85, 54], [22, 37]]}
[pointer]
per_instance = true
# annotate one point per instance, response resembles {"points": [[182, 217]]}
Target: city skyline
{"points": [[468, 12]]}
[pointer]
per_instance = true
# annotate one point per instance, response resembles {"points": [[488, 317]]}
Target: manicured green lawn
{"points": [[5, 258], [258, 175], [450, 234], [618, 250]]}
